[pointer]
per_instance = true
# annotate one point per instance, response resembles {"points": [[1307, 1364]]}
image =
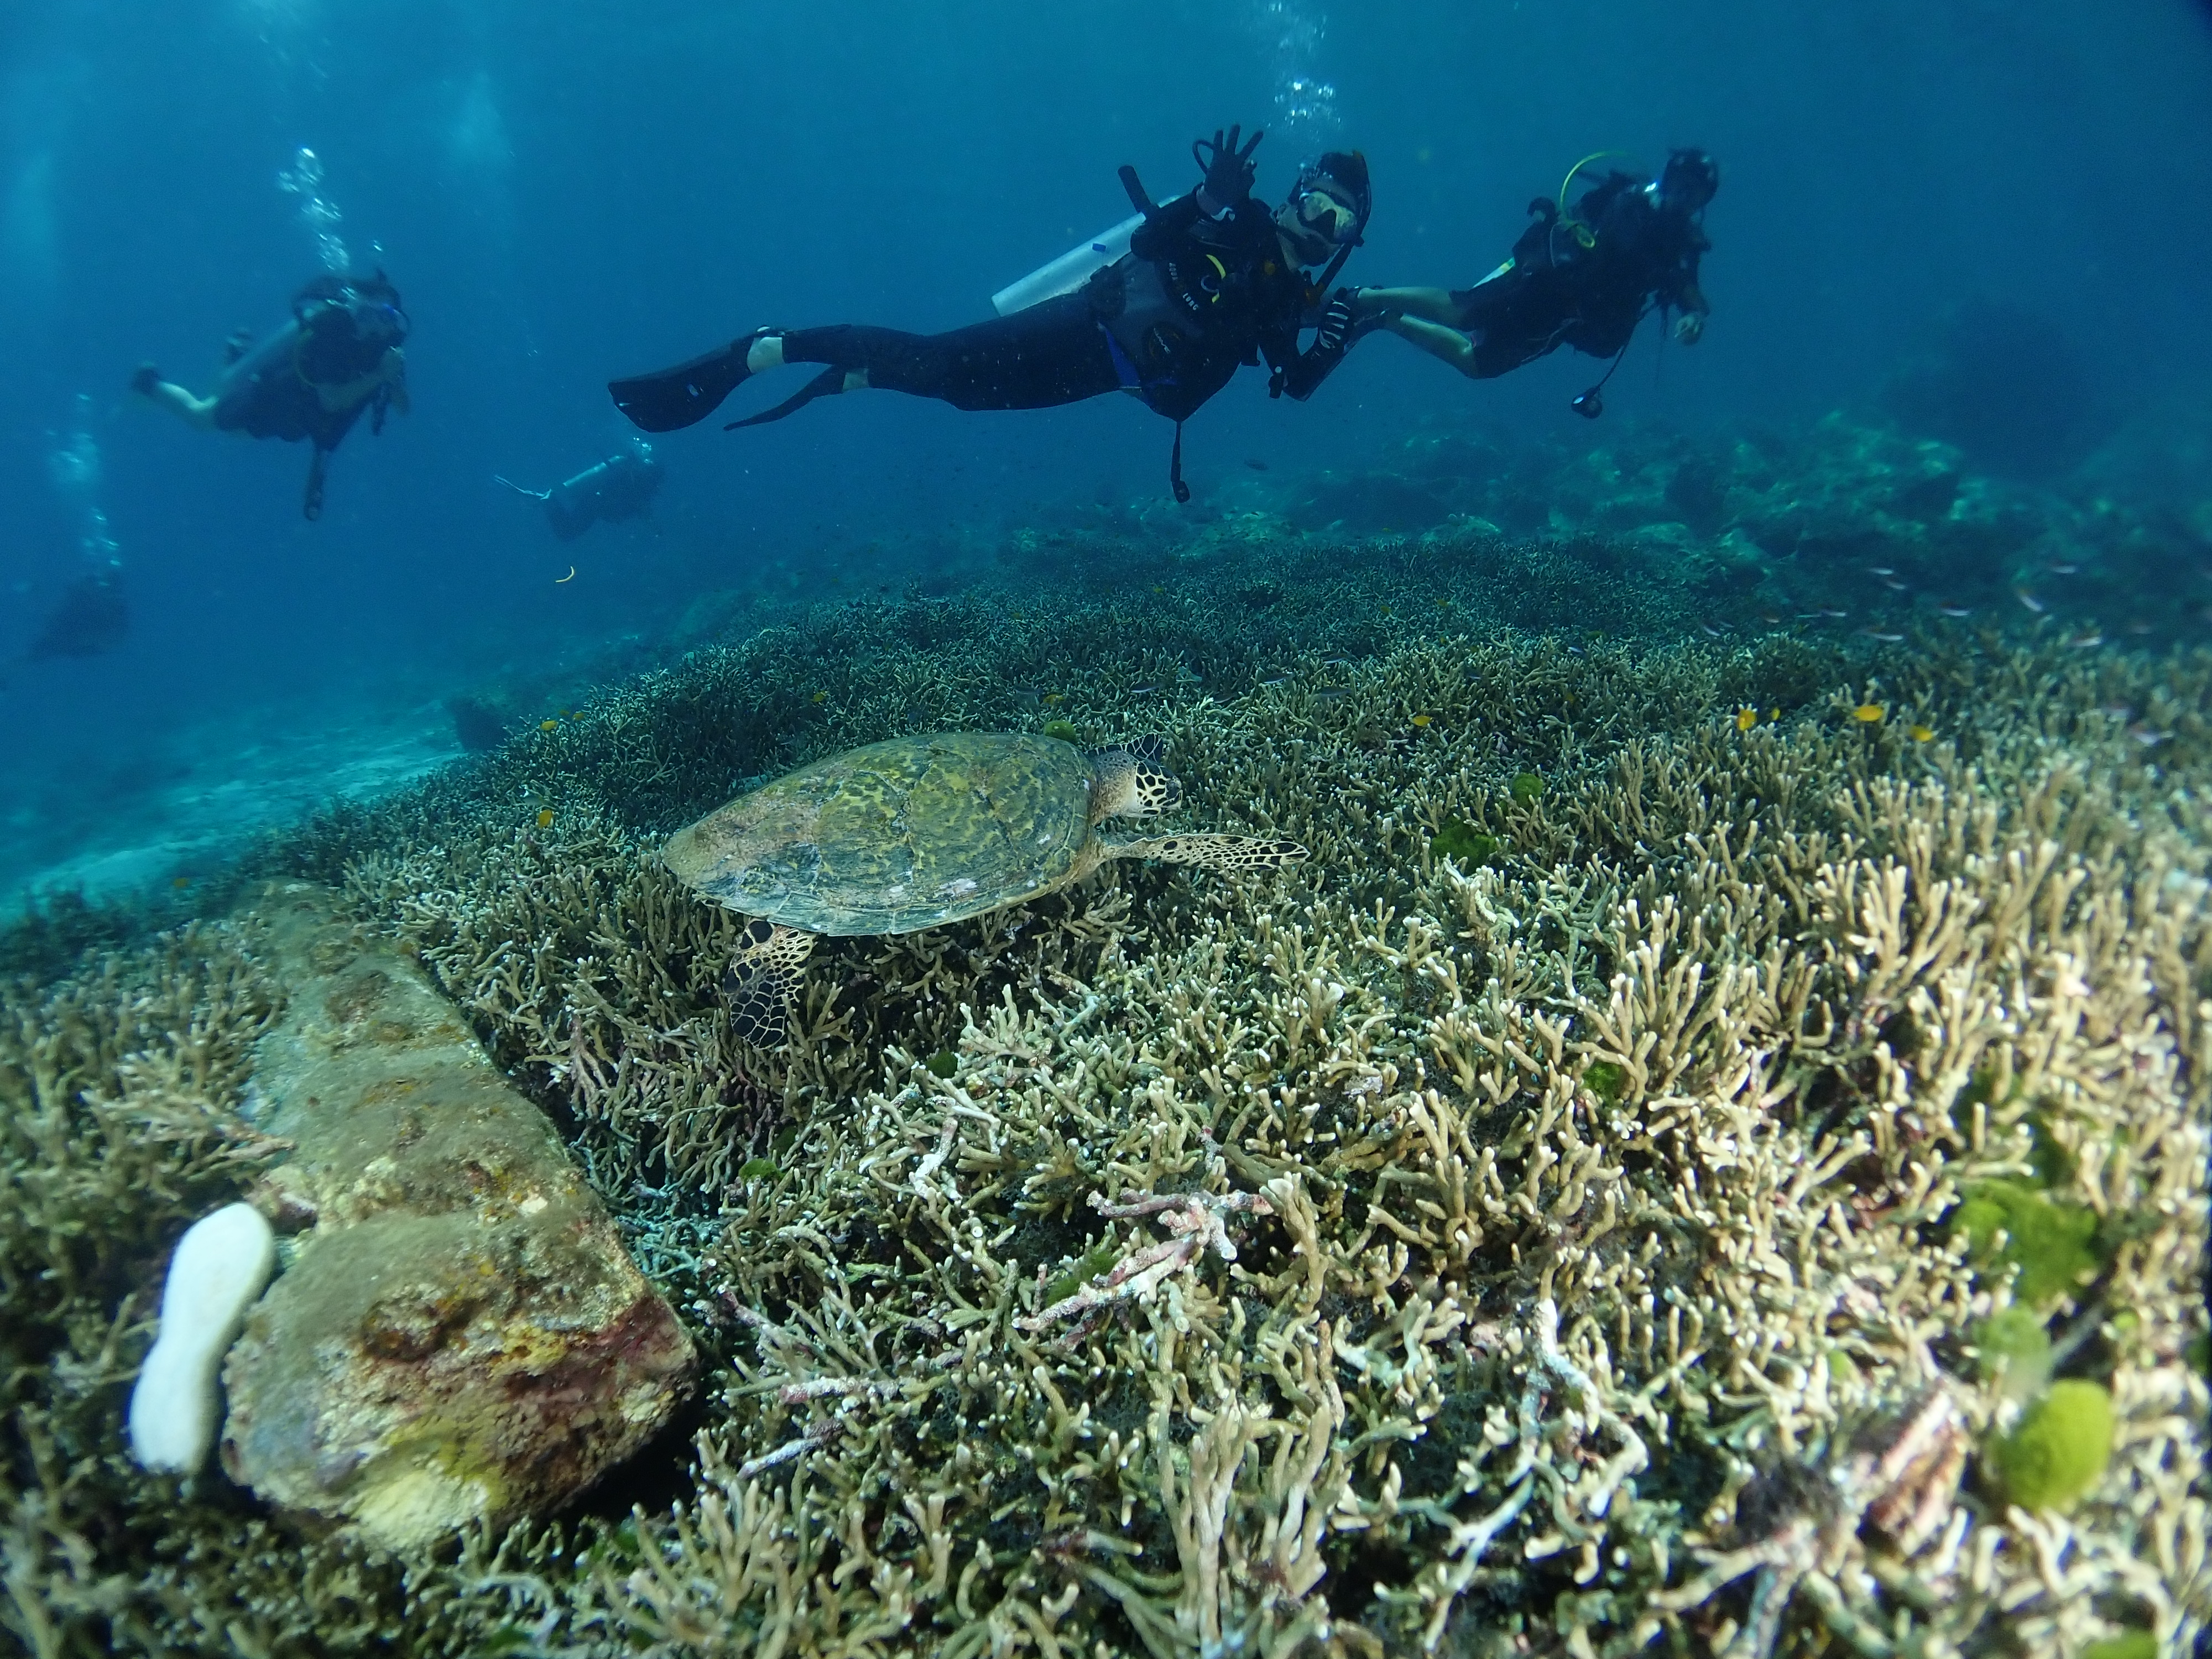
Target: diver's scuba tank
{"points": [[1069, 271]]}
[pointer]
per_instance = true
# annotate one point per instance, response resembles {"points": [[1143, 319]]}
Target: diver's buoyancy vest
{"points": [[1183, 320]]}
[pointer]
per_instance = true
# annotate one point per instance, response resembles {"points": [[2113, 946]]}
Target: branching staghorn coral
{"points": [[1638, 1163]]}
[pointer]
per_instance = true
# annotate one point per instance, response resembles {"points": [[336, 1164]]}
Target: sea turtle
{"points": [[916, 832]]}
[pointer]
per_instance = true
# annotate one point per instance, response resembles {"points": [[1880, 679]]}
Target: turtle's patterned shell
{"points": [[897, 836]]}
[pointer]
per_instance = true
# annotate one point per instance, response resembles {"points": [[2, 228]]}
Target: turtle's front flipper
{"points": [[1213, 852], [763, 979]]}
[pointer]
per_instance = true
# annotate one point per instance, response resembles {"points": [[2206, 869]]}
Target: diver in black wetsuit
{"points": [[1583, 278], [621, 486], [339, 357], [1211, 280]]}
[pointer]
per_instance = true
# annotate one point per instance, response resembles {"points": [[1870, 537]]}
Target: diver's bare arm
{"points": [[1690, 326], [1432, 304], [1449, 343], [192, 412]]}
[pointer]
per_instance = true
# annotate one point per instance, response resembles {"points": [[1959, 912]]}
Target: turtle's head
{"points": [[1131, 781]]}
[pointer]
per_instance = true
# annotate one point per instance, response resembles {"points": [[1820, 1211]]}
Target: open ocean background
{"points": [[564, 193]]}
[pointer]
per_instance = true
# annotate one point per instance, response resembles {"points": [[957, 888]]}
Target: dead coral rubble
{"points": [[460, 1338]]}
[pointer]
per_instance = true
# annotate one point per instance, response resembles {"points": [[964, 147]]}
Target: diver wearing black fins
{"points": [[1582, 277], [621, 486], [1211, 280], [338, 358]]}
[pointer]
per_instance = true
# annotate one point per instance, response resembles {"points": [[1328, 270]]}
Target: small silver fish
{"points": [[1276, 679], [1834, 615], [1887, 639], [2029, 600], [1955, 609]]}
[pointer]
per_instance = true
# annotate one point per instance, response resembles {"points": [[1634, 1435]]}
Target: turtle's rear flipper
{"points": [[763, 981], [1214, 852]]}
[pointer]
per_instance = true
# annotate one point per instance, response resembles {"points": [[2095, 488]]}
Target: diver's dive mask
{"points": [[377, 319], [1326, 213]]}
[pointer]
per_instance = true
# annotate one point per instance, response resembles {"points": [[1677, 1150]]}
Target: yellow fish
{"points": [[181, 883], [1423, 720], [821, 696], [545, 816], [547, 725], [1868, 714], [1746, 719], [1921, 733], [1774, 714]]}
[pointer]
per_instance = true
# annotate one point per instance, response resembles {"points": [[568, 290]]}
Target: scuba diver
{"points": [[339, 357], [1211, 280], [91, 618], [621, 486], [1584, 278]]}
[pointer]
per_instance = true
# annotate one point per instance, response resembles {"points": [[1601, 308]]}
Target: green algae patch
{"points": [[1606, 1079], [757, 1169], [1526, 788], [1100, 1260], [1463, 844], [1064, 730], [2133, 1645], [2013, 1345], [2054, 1245], [2059, 1450], [943, 1063]]}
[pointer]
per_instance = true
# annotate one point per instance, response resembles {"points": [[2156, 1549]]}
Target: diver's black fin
{"points": [[685, 395], [829, 380]]}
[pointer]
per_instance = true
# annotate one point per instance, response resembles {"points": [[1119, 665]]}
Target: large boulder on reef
{"points": [[460, 1335]]}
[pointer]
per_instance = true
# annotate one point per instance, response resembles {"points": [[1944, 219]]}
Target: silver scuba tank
{"points": [[1069, 271]]}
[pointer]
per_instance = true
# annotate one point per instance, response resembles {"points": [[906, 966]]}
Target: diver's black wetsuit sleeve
{"points": [[1679, 289], [1163, 226], [1053, 353]]}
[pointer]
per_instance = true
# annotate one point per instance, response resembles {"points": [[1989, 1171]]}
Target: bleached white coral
{"points": [[221, 1266]]}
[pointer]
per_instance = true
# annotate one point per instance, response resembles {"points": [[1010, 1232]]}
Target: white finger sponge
{"points": [[221, 1265]]}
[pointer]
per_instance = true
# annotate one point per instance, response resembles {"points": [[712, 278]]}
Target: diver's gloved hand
{"points": [[1334, 332], [1229, 170], [1689, 328], [144, 379]]}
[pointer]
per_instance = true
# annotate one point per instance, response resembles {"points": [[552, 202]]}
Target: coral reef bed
{"points": [[1709, 1156]]}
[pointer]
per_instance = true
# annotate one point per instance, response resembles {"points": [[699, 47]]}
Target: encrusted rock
{"points": [[461, 1335]]}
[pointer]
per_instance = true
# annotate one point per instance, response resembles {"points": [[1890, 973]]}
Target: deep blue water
{"points": [[569, 191]]}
